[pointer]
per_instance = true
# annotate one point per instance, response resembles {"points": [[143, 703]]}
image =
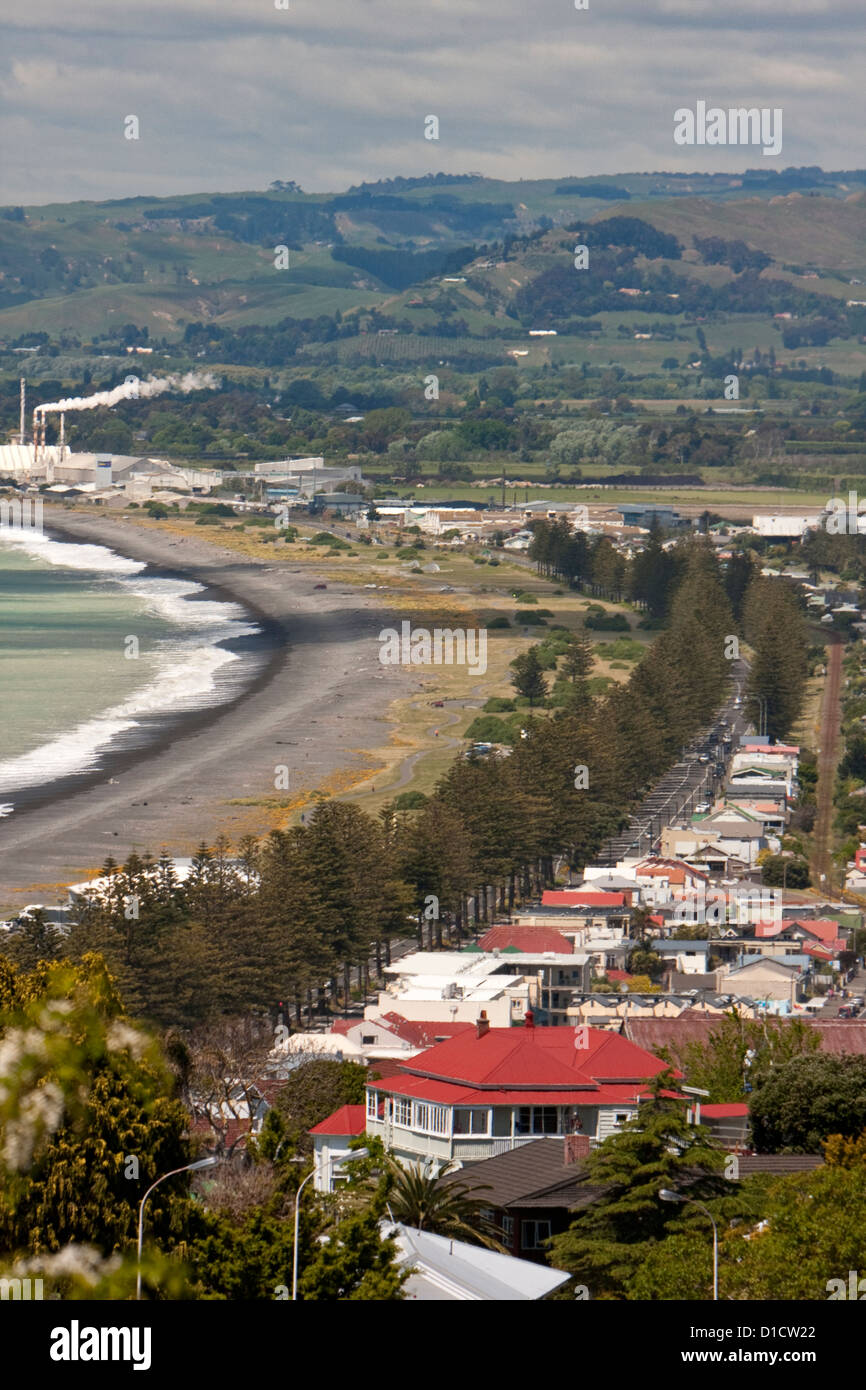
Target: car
{"points": [[320, 586], [702, 808], [704, 758], [437, 704]]}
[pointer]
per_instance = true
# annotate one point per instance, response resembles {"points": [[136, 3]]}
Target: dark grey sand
{"points": [[323, 694]]}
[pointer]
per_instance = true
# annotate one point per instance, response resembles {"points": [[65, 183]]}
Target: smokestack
{"points": [[23, 392], [36, 434], [483, 1024], [62, 436]]}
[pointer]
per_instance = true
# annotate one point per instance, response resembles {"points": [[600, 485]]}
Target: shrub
{"points": [[530, 619], [486, 728], [496, 623], [497, 704], [606, 622], [410, 801]]}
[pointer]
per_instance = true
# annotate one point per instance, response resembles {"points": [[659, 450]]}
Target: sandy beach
{"points": [[317, 705]]}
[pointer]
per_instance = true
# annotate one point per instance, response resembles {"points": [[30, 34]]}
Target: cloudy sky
{"points": [[231, 94]]}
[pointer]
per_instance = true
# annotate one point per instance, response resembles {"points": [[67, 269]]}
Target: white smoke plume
{"points": [[132, 389]]}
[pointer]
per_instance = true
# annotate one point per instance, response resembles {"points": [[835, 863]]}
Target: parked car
{"points": [[320, 586]]}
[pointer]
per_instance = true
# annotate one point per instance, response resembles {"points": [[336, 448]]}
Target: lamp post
{"points": [[347, 1158], [188, 1168], [667, 1195]]}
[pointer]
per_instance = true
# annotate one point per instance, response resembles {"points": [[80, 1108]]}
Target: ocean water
{"points": [[68, 692]]}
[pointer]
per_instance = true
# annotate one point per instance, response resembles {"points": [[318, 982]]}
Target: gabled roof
{"points": [[677, 870], [534, 1174], [421, 1032], [442, 1268], [733, 1110], [526, 939], [760, 962], [348, 1120]]}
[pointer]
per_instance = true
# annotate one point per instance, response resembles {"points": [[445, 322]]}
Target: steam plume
{"points": [[133, 389]]}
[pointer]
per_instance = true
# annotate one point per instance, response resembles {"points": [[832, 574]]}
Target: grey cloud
{"points": [[233, 93]]}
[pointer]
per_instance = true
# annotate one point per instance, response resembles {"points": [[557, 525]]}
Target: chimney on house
{"points": [[576, 1148], [483, 1024], [529, 1019]]}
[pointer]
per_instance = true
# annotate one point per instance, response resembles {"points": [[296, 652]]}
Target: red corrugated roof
{"points": [[349, 1119], [618, 975], [568, 897], [725, 1112], [421, 1032], [528, 939], [536, 1057], [447, 1093], [825, 928]]}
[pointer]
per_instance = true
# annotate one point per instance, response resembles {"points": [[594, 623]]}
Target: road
{"points": [[685, 785]]}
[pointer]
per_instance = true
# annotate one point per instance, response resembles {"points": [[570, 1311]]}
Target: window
{"points": [[471, 1121], [622, 1118], [402, 1112], [430, 1119], [372, 1105], [537, 1119], [368, 1038], [508, 1227], [533, 1234]]}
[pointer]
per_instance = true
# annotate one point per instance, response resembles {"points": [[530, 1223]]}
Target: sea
{"points": [[97, 652]]}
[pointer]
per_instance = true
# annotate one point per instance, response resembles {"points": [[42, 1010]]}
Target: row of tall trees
{"points": [[314, 906], [649, 579]]}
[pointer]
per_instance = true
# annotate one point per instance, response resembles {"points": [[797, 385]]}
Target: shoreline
{"points": [[318, 701], [264, 649]]}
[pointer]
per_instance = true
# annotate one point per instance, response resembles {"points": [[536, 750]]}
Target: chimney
{"points": [[483, 1024], [576, 1148], [529, 1019]]}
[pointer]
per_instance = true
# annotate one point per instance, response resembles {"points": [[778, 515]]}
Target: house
{"points": [[590, 906], [728, 1123], [687, 957], [332, 1141], [554, 974], [716, 838], [453, 987], [764, 978], [391, 1035], [537, 940], [444, 1269], [665, 879], [494, 1089], [529, 1193]]}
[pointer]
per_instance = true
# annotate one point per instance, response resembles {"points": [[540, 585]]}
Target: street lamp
{"points": [[347, 1158], [667, 1195], [188, 1168]]}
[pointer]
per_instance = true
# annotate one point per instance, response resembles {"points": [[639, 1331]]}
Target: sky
{"points": [[232, 94]]}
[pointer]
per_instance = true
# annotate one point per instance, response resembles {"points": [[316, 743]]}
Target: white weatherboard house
{"points": [[488, 1090]]}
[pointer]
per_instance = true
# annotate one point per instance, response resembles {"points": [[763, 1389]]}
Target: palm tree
{"points": [[431, 1202]]}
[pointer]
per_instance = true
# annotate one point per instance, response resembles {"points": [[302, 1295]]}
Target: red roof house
{"points": [[487, 1090], [527, 939]]}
